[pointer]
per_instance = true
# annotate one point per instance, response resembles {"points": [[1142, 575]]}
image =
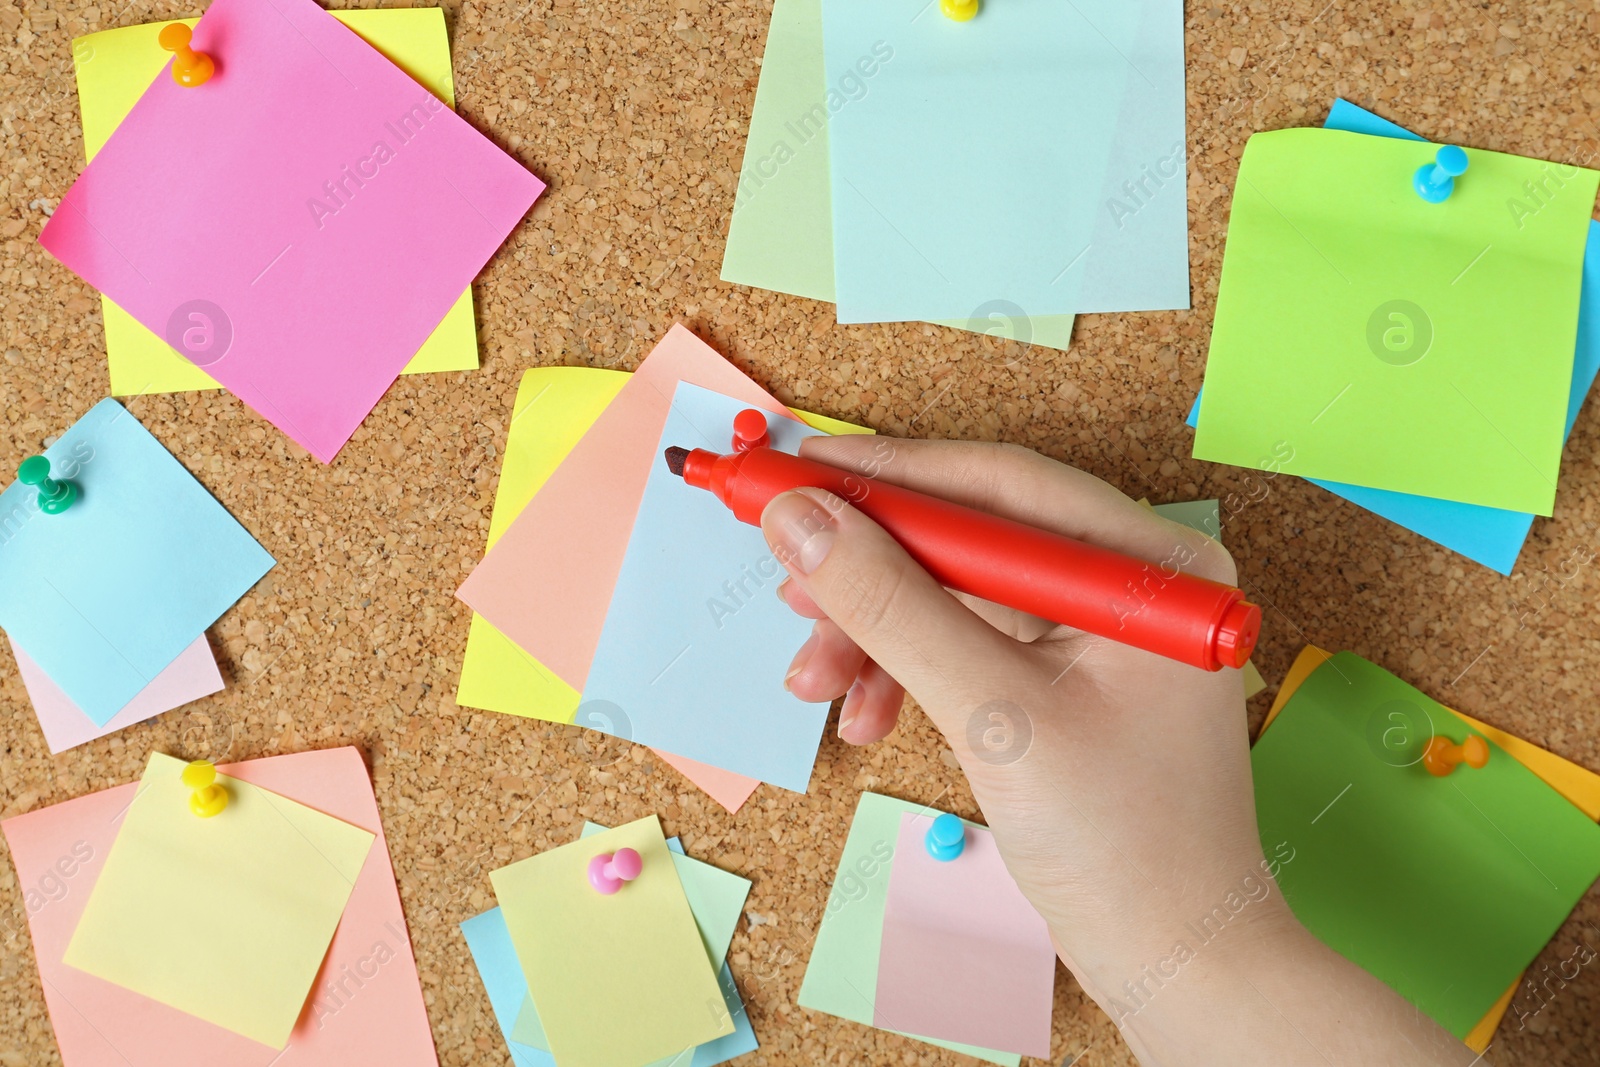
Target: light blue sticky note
{"points": [[489, 941], [1032, 157], [1490, 536], [696, 643], [106, 594]]}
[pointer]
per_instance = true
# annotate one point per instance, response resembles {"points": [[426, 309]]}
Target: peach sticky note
{"points": [[191, 676], [299, 224], [366, 1005]]}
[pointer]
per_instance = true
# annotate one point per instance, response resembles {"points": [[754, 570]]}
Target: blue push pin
{"points": [[54, 497], [1437, 180], [946, 838]]}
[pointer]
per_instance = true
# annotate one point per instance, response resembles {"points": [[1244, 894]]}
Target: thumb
{"points": [[940, 651]]}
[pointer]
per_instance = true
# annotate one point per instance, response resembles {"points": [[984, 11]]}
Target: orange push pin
{"points": [[189, 68], [1441, 757], [208, 798], [750, 430]]}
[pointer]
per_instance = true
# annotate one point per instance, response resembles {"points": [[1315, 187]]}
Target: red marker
{"points": [[1154, 607]]}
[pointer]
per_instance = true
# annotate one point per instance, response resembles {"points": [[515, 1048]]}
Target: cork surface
{"points": [[635, 112]]}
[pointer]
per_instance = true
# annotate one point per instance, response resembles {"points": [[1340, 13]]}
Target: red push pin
{"points": [[1441, 757], [189, 68], [750, 430], [609, 870]]}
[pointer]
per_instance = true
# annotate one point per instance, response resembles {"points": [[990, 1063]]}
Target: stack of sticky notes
{"points": [[622, 600], [592, 962], [999, 174], [1445, 887], [1424, 360], [110, 574], [268, 932], [301, 226], [945, 950]]}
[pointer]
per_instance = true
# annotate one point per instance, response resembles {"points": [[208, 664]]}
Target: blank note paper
{"points": [[366, 1006], [1034, 155], [964, 956], [227, 918], [105, 595], [300, 224], [114, 67]]}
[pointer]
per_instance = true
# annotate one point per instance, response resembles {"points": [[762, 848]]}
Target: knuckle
{"points": [[869, 596]]}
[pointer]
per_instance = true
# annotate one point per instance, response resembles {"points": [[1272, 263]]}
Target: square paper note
{"points": [[619, 980], [695, 644], [299, 224], [227, 918], [103, 596], [1366, 336], [115, 67], [964, 956]]}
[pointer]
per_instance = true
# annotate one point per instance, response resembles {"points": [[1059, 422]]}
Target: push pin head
{"points": [[1436, 181], [946, 838], [750, 430], [1441, 756], [189, 68], [54, 497], [609, 870], [959, 10], [208, 798]]}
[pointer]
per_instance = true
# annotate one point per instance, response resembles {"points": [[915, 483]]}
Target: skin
{"points": [[1116, 782]]}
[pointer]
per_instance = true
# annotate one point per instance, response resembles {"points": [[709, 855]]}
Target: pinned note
{"points": [[356, 205], [1392, 373], [572, 942], [114, 67], [695, 644], [191, 676], [781, 233], [1391, 864], [842, 975], [1034, 155], [105, 595]]}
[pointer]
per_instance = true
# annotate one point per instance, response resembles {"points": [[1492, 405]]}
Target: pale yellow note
{"points": [[226, 918], [618, 980], [116, 66]]}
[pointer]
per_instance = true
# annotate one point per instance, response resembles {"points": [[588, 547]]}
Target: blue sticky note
{"points": [[489, 941], [1030, 160], [106, 594], [696, 643], [1490, 536]]}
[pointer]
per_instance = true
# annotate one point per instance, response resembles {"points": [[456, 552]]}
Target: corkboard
{"points": [[635, 114]]}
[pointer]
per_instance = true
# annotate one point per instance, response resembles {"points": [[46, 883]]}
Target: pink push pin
{"points": [[750, 430], [609, 870]]}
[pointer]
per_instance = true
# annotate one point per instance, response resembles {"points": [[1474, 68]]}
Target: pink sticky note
{"points": [[964, 956], [191, 676], [299, 224], [547, 582], [726, 788], [366, 1006]]}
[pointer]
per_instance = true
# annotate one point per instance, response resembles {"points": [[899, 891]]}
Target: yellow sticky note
{"points": [[618, 980], [116, 66], [226, 918], [555, 407]]}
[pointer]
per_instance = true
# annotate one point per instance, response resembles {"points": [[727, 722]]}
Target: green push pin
{"points": [[54, 497]]}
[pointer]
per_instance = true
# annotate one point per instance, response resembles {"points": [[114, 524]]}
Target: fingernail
{"points": [[800, 660], [851, 708], [799, 531], [783, 587]]}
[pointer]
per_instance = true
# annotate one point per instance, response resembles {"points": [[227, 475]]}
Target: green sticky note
{"points": [[1204, 516], [842, 975], [1366, 336], [781, 234], [1444, 888], [620, 980], [716, 897]]}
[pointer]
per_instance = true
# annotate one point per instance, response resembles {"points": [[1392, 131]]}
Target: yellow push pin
{"points": [[959, 10], [208, 798]]}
